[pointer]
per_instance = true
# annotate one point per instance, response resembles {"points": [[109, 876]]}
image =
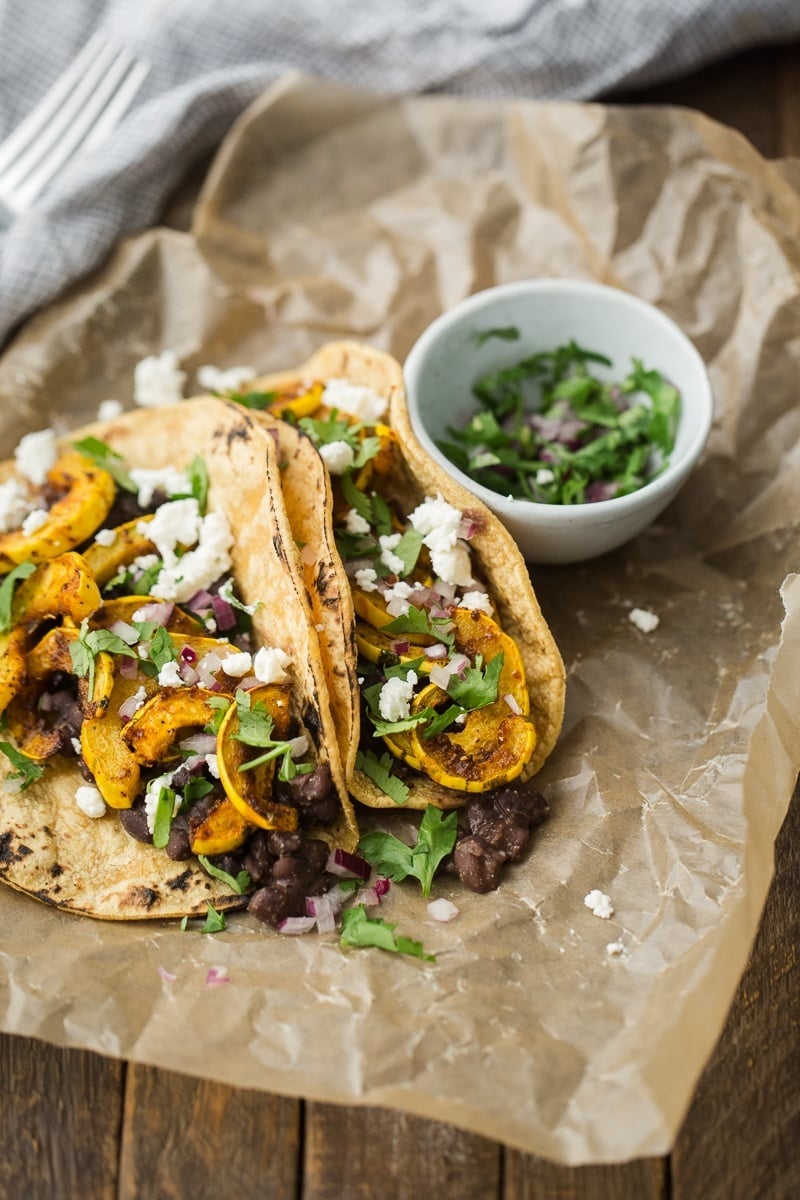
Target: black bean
{"points": [[283, 843], [134, 822], [288, 867], [257, 860], [312, 787], [523, 802], [275, 903], [477, 864], [316, 854], [324, 811], [178, 847]]}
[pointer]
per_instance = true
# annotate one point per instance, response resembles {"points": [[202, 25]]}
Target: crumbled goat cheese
{"points": [[365, 578], [439, 522], [137, 699], [237, 665], [229, 379], [213, 766], [478, 600], [145, 561], [35, 520], [643, 619], [599, 903], [387, 543], [357, 401], [168, 480], [337, 456], [399, 591], [158, 380], [179, 523], [109, 410], [355, 523], [76, 744], [105, 537], [151, 798], [15, 505], [90, 802], [36, 455], [394, 701], [544, 475], [270, 664], [615, 949], [170, 676]]}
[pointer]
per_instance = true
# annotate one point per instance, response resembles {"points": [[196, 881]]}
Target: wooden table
{"points": [[73, 1124]]}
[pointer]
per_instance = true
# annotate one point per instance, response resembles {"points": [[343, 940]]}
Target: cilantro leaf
{"points": [[408, 549], [419, 620], [226, 592], [239, 885], [360, 930], [379, 770], [410, 722], [256, 400], [255, 729], [157, 641], [356, 499], [435, 839], [7, 592], [477, 688], [198, 478], [214, 922], [103, 456], [324, 430], [26, 769], [162, 817], [509, 333], [196, 789], [221, 704], [90, 643]]}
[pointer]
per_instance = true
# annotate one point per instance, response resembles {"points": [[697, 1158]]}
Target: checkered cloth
{"points": [[210, 58]]}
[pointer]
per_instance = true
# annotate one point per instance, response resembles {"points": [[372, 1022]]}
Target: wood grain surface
{"points": [[75, 1125]]}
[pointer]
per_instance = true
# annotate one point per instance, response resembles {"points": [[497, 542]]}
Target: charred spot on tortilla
{"points": [[179, 883], [277, 542], [312, 722], [9, 855], [56, 870], [139, 896]]}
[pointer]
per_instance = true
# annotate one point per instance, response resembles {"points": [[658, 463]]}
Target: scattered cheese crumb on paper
{"points": [[599, 903]]}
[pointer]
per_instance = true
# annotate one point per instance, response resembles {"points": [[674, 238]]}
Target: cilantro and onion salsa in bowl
{"points": [[575, 411]]}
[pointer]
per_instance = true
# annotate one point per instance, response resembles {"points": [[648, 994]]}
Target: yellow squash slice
{"points": [[218, 831], [153, 731], [107, 561], [251, 791], [115, 767], [62, 587]]}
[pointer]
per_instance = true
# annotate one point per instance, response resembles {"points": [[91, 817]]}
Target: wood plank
{"points": [[191, 1137], [363, 1153], [740, 1139], [60, 1114], [741, 91], [530, 1178]]}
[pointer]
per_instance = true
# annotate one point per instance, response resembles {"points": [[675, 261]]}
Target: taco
{"points": [[167, 737], [453, 686]]}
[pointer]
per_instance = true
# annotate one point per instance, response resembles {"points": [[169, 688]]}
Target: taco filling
{"points": [[165, 717], [460, 687]]}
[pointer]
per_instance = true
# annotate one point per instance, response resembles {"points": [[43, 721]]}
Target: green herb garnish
{"points": [[26, 769], [256, 400], [7, 592], [90, 643], [436, 838], [379, 770], [103, 456], [360, 930], [255, 729], [239, 885], [162, 817]]}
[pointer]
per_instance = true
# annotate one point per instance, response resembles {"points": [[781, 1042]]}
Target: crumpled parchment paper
{"points": [[330, 213]]}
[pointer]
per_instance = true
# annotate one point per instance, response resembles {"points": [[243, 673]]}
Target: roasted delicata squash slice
{"points": [[124, 608], [217, 829], [300, 401], [89, 494], [116, 769], [62, 587], [250, 790], [107, 560], [13, 665], [154, 730]]}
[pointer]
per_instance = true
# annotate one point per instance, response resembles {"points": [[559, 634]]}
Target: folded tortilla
{"points": [[495, 555], [48, 847]]}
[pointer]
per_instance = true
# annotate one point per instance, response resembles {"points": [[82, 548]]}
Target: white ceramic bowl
{"points": [[447, 359]]}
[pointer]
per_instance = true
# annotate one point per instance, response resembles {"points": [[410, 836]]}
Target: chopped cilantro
{"points": [[255, 729], [478, 687], [239, 885], [214, 922], [508, 333], [419, 620], [356, 499], [408, 549], [257, 400], [436, 838], [162, 818], [360, 930], [26, 769], [160, 646], [379, 770], [196, 789], [221, 704], [90, 643], [7, 592], [103, 456]]}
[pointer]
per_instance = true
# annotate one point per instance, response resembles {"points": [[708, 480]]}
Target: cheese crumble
{"points": [[228, 379], [109, 410], [355, 400], [270, 664], [35, 455], [90, 802], [643, 619], [337, 456], [394, 701], [35, 520], [599, 903], [158, 380], [439, 523]]}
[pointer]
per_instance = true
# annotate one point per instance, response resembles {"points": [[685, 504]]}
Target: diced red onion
{"points": [[382, 885], [446, 591], [347, 866], [513, 704], [188, 675], [401, 646], [216, 975], [321, 908], [157, 611], [248, 683], [200, 602], [127, 667], [188, 655], [369, 897], [337, 896], [436, 651], [223, 611], [126, 632], [459, 663], [442, 910], [297, 925], [200, 743], [467, 527], [166, 975], [129, 707], [308, 555], [206, 668]]}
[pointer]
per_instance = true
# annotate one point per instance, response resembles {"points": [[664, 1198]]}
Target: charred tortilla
{"points": [[48, 847], [413, 478]]}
